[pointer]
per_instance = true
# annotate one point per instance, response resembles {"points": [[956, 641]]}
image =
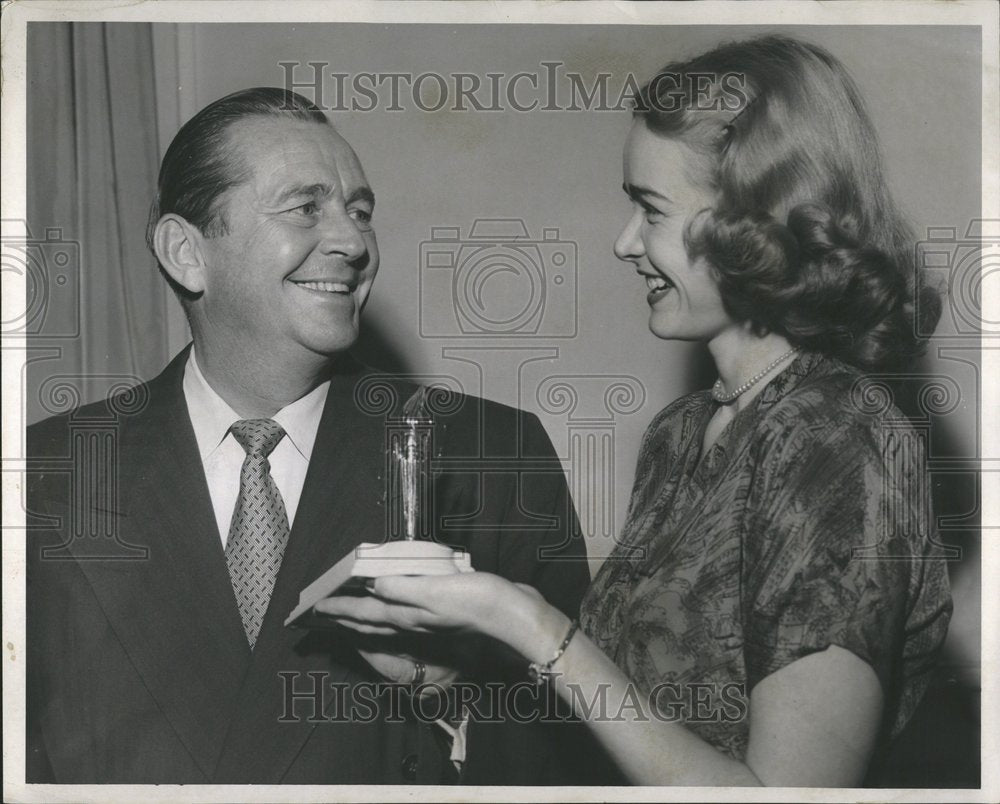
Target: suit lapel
{"points": [[340, 507], [174, 613], [341, 504]]}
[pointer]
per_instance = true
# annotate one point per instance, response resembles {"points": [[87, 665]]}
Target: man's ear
{"points": [[180, 249]]}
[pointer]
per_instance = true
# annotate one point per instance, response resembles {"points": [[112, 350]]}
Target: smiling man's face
{"points": [[298, 260]]}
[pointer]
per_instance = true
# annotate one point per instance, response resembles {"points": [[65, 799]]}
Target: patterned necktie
{"points": [[259, 530]]}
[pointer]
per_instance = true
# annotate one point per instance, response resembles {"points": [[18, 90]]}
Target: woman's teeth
{"points": [[658, 283]]}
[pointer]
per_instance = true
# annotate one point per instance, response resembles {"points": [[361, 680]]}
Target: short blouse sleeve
{"points": [[842, 551]]}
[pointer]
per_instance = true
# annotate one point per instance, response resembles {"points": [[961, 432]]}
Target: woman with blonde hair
{"points": [[775, 604]]}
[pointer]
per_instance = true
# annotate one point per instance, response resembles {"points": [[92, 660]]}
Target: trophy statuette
{"points": [[409, 494]]}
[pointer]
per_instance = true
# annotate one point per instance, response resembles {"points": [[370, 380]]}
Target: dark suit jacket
{"points": [[138, 668]]}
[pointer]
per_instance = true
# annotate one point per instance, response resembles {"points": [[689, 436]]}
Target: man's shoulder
{"points": [[464, 424], [393, 395], [49, 436], [59, 446], [500, 428], [468, 407], [123, 404]]}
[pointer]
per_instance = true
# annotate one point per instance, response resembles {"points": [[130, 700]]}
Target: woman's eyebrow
{"points": [[638, 191]]}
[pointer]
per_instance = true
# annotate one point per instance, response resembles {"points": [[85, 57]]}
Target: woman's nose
{"points": [[628, 245]]}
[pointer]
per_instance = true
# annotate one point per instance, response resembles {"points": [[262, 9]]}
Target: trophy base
{"points": [[369, 560]]}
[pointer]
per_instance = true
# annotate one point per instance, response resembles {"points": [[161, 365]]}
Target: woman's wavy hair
{"points": [[804, 238]]}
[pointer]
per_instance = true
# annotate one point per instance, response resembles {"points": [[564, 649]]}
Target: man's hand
{"points": [[400, 668], [395, 658]]}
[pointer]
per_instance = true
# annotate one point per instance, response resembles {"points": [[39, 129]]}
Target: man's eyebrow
{"points": [[317, 190], [638, 191], [321, 190], [361, 194]]}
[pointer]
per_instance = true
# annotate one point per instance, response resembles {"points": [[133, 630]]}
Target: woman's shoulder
{"points": [[680, 408], [835, 404], [679, 414], [831, 398]]}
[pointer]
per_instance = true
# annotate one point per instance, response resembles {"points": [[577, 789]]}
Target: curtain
{"points": [[102, 311]]}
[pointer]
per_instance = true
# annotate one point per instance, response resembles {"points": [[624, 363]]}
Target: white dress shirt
{"points": [[222, 456]]}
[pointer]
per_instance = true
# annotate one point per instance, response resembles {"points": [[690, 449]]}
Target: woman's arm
{"points": [[813, 722]]}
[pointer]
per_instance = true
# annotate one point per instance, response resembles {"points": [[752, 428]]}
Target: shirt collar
{"points": [[211, 416], [301, 418]]}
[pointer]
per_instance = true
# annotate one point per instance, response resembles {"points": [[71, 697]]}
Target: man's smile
{"points": [[325, 287]]}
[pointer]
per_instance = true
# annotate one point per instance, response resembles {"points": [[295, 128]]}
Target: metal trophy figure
{"points": [[410, 503], [410, 497], [411, 549]]}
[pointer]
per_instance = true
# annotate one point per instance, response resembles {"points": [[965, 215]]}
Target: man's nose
{"points": [[340, 235], [628, 245]]}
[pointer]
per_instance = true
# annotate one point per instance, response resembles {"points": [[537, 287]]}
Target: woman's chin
{"points": [[670, 329]]}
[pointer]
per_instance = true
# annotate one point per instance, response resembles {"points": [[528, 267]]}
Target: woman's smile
{"points": [[659, 288]]}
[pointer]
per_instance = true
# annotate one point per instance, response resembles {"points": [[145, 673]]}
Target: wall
{"points": [[562, 171]]}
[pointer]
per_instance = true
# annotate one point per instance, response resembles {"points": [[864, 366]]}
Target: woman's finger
{"points": [[411, 590], [358, 607], [371, 610], [366, 628], [427, 603], [442, 594]]}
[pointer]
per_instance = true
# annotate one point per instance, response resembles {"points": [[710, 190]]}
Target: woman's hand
{"points": [[478, 602]]}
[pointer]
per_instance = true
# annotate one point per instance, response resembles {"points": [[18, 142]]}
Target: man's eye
{"points": [[310, 208], [362, 216]]}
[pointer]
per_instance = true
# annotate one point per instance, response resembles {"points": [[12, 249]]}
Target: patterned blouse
{"points": [[807, 524]]}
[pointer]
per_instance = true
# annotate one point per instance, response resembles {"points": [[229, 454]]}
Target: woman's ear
{"points": [[179, 248]]}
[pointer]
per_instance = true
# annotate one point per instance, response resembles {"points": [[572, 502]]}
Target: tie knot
{"points": [[257, 436]]}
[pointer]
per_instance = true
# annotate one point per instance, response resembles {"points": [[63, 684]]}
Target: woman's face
{"points": [[683, 298]]}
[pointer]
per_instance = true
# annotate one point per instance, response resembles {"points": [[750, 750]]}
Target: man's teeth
{"points": [[328, 287], [657, 283]]}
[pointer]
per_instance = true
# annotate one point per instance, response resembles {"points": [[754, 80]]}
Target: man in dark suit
{"points": [[253, 463]]}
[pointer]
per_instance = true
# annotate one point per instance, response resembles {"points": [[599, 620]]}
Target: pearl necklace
{"points": [[719, 390]]}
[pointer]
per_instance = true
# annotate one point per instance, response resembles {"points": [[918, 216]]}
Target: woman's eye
{"points": [[652, 213]]}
